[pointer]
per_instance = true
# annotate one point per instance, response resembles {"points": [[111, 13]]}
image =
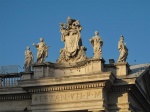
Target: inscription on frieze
{"points": [[93, 94]]}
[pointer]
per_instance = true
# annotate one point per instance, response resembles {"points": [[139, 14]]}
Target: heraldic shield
{"points": [[73, 50], [71, 44]]}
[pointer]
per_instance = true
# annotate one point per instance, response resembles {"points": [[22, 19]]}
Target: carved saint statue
{"points": [[123, 50], [72, 40], [28, 60], [42, 51], [97, 44]]}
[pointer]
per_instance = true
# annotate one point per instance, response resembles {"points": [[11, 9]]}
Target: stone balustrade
{"points": [[9, 79]]}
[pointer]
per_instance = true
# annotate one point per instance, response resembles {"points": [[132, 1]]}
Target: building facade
{"points": [[76, 83]]}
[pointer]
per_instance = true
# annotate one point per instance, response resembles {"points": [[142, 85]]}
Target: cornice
{"points": [[124, 81], [51, 81], [11, 90], [67, 87], [120, 88], [15, 97]]}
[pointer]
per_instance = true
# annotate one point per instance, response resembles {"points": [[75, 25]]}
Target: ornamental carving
{"points": [[73, 50]]}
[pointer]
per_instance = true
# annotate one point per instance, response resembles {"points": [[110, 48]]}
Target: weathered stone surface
{"points": [[93, 92], [75, 100], [15, 106], [120, 69], [58, 70], [26, 75], [56, 94], [66, 97]]}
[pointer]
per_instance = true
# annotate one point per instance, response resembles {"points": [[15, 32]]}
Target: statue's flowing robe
{"points": [[42, 52], [123, 52]]}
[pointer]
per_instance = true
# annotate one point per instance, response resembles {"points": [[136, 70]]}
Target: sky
{"points": [[23, 22]]}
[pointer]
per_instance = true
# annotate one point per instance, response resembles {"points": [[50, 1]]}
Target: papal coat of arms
{"points": [[73, 49]]}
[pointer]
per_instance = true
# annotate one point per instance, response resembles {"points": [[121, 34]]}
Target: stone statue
{"points": [[123, 50], [97, 44], [72, 39], [28, 60], [42, 51]]}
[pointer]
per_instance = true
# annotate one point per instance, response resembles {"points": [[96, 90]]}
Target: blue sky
{"points": [[23, 22]]}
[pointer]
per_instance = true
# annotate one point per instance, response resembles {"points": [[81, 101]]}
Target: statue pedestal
{"points": [[39, 70], [97, 65], [87, 66], [122, 68], [26, 75]]}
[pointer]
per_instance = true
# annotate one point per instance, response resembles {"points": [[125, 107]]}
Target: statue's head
{"points": [[28, 48], [96, 32], [122, 38], [41, 39]]}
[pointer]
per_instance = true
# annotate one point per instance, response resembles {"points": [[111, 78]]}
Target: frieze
{"points": [[85, 95]]}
